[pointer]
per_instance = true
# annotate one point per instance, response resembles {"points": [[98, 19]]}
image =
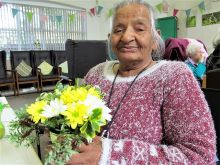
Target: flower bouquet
{"points": [[74, 113]]}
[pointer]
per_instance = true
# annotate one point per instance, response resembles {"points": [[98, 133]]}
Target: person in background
{"points": [[159, 113], [196, 60]]}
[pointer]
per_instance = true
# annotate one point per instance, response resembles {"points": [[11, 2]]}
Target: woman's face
{"points": [[197, 56], [131, 36]]}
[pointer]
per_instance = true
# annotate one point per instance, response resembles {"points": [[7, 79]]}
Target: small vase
{"points": [[2, 128]]}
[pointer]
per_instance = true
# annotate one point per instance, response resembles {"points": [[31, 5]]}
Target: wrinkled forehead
{"points": [[132, 13]]}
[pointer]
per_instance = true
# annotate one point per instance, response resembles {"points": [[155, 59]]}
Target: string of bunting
{"points": [[96, 10], [44, 18], [164, 7]]}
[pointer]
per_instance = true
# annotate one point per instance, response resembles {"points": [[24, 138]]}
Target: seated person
{"points": [[196, 60], [160, 115]]}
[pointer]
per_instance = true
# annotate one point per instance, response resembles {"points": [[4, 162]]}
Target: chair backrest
{"points": [[212, 97], [17, 56], [40, 55], [82, 55], [213, 79], [213, 62], [2, 64], [59, 56]]}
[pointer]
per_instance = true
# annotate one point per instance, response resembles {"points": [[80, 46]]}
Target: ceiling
{"points": [[181, 4]]}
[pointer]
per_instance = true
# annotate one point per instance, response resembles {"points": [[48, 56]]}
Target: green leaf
{"points": [[96, 114], [95, 126], [84, 127], [87, 130], [90, 131]]}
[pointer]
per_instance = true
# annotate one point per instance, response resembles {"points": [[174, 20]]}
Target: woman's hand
{"points": [[88, 154]]}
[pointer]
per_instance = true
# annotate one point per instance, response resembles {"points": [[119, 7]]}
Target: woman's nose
{"points": [[128, 35]]}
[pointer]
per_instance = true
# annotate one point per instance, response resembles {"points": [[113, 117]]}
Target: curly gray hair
{"points": [[158, 53], [192, 48]]}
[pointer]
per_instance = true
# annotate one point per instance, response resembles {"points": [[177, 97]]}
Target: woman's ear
{"points": [[154, 46]]}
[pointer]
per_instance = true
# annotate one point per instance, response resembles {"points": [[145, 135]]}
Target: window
{"points": [[25, 27]]}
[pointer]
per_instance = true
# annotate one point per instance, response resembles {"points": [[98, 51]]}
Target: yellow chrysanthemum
{"points": [[35, 110], [93, 91], [67, 96], [80, 94], [75, 114]]}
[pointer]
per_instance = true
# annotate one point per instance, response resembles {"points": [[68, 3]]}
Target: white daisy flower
{"points": [[94, 102], [54, 109]]}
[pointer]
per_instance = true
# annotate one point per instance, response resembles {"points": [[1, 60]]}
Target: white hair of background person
{"points": [[192, 49], [158, 53], [193, 46]]}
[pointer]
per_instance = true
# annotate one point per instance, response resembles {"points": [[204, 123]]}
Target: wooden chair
{"points": [[82, 55], [5, 78], [18, 57], [60, 58], [40, 57]]}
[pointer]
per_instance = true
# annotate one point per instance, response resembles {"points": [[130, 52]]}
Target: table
{"points": [[9, 153]]}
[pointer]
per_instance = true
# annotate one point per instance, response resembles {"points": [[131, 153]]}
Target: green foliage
{"points": [[22, 134], [92, 126], [61, 149]]}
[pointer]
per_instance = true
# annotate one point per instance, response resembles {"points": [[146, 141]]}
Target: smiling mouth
{"points": [[128, 49]]}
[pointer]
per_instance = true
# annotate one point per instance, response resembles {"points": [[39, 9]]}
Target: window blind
{"points": [[26, 27]]}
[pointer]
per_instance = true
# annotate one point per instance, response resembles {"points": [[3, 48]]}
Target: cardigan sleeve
{"points": [[188, 130], [200, 70]]}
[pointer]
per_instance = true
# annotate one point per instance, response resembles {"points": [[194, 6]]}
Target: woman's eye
{"points": [[140, 29], [118, 30]]}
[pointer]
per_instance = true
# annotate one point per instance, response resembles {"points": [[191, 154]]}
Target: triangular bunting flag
{"points": [[92, 11], [59, 18], [98, 10], [110, 13], [165, 7], [201, 6], [188, 12], [44, 18], [14, 12], [29, 16], [175, 11], [71, 17], [83, 13], [160, 7]]}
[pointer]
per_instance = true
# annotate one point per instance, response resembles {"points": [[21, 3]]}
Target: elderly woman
{"points": [[196, 60], [160, 115]]}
